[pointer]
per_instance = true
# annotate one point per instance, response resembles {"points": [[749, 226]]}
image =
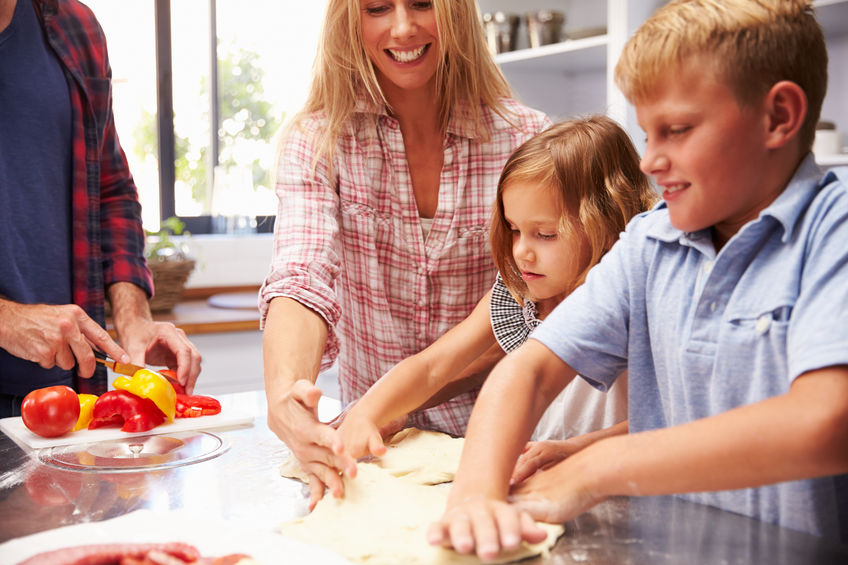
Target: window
{"points": [[264, 49]]}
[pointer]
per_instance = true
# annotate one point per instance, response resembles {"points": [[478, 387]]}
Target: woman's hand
{"points": [[486, 525], [318, 447], [541, 455]]}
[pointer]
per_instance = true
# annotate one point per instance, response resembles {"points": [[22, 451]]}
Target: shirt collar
{"points": [[786, 208], [460, 124]]}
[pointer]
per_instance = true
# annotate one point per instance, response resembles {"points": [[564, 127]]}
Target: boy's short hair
{"points": [[753, 44]]}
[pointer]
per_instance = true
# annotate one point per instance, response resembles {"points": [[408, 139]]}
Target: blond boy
{"points": [[726, 303]]}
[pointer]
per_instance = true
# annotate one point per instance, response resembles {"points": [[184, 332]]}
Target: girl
{"points": [[563, 197]]}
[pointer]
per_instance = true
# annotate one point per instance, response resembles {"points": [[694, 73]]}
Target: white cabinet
{"points": [[576, 76]]}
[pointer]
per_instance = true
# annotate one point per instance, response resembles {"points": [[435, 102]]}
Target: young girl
{"points": [[563, 197]]}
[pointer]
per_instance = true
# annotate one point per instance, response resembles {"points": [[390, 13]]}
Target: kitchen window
{"points": [[197, 116]]}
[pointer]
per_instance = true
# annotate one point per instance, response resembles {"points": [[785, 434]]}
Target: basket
{"points": [[169, 279]]}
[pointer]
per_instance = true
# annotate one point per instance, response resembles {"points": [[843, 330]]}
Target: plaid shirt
{"points": [[107, 235], [351, 247]]}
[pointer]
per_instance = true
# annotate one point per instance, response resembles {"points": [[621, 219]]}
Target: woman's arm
{"points": [[292, 345], [414, 381]]}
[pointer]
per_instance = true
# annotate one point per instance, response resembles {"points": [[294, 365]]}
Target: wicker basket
{"points": [[169, 279]]}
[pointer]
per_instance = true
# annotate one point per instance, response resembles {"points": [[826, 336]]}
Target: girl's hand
{"points": [[360, 436], [541, 455], [487, 525]]}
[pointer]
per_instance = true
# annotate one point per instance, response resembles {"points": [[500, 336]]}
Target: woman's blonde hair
{"points": [[591, 166], [751, 45], [466, 73]]}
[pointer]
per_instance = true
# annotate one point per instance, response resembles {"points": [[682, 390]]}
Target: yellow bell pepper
{"points": [[152, 385], [86, 407]]}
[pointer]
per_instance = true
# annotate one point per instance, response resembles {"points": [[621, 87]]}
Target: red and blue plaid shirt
{"points": [[106, 229]]}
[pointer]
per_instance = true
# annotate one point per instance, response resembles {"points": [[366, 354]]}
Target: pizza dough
{"points": [[384, 515], [422, 457]]}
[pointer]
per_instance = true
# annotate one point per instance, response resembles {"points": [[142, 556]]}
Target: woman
{"points": [[385, 180]]}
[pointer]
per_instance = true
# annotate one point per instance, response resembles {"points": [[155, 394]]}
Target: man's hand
{"points": [[318, 447], [52, 336], [162, 343], [149, 342]]}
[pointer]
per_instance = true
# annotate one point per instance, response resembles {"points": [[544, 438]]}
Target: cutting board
{"points": [[15, 428]]}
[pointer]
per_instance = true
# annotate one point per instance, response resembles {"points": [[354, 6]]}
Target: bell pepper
{"points": [[86, 407], [149, 384], [125, 409], [172, 378], [194, 405]]}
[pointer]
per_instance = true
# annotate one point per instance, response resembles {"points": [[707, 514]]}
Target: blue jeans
{"points": [[10, 405]]}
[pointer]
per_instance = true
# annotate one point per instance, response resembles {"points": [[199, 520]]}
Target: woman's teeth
{"points": [[406, 56], [676, 187]]}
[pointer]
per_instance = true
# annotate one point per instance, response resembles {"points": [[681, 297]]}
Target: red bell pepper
{"points": [[123, 408], [194, 405], [172, 378]]}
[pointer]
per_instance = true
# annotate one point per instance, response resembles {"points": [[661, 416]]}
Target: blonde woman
{"points": [[385, 182]]}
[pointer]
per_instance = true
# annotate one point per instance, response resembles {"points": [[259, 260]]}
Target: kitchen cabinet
{"points": [[576, 76]]}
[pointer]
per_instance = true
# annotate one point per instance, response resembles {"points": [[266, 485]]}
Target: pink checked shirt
{"points": [[351, 247]]}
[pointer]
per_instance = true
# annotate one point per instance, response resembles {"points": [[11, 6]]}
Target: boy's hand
{"points": [[541, 455], [555, 495], [487, 525]]}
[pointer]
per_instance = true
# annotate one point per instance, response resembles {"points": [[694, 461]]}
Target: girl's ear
{"points": [[786, 108]]}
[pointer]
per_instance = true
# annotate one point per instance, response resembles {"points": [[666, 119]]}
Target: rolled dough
{"points": [[384, 515]]}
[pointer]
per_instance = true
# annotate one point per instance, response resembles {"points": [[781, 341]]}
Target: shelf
{"points": [[571, 55], [838, 160], [833, 17]]}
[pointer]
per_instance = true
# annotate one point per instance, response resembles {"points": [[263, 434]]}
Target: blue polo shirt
{"points": [[703, 332]]}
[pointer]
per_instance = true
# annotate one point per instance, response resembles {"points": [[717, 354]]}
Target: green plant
{"points": [[161, 247]]}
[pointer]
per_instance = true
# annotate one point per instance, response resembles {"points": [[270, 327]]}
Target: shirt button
{"points": [[713, 306], [422, 303], [763, 323], [708, 266]]}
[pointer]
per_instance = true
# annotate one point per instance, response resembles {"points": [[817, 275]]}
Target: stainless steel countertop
{"points": [[244, 484]]}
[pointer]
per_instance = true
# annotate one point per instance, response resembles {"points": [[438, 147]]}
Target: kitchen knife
{"points": [[120, 368]]}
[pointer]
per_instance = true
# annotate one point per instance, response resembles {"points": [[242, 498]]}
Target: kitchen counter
{"points": [[243, 485]]}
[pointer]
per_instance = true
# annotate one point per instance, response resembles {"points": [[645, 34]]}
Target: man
{"points": [[70, 220]]}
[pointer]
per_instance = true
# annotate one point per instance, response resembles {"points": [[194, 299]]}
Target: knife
{"points": [[120, 368]]}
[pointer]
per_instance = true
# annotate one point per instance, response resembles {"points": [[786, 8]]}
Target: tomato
{"points": [[52, 411], [172, 378]]}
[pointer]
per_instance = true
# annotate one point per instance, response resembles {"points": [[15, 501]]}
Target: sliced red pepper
{"points": [[123, 408], [194, 405], [172, 378]]}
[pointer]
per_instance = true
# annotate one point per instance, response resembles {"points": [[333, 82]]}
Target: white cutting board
{"points": [[15, 428]]}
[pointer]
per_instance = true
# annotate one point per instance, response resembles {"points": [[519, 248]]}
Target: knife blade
{"points": [[120, 368]]}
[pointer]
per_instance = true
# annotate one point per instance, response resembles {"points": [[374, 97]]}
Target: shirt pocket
{"points": [[758, 337]]}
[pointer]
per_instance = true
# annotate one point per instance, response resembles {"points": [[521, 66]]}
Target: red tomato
{"points": [[52, 411]]}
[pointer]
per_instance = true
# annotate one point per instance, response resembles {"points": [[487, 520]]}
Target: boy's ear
{"points": [[786, 106]]}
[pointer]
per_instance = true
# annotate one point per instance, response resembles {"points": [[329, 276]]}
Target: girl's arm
{"points": [[543, 454], [413, 381]]}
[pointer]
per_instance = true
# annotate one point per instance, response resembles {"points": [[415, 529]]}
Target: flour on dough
{"points": [[422, 457], [383, 519]]}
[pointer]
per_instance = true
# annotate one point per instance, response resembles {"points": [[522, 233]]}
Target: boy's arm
{"points": [[413, 381], [801, 434], [477, 514]]}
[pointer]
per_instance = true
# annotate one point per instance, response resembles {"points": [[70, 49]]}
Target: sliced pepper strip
{"points": [[86, 407], [123, 408], [194, 405], [150, 384]]}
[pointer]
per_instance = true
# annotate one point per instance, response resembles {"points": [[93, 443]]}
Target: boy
{"points": [[726, 303]]}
